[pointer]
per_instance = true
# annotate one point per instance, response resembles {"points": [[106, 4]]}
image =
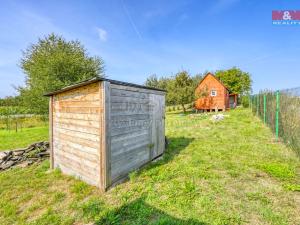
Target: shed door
{"points": [[158, 124]]}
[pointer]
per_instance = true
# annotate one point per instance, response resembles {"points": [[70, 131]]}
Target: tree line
{"points": [[181, 87], [54, 62]]}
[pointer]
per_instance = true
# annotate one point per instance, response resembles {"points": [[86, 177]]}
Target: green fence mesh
{"points": [[280, 110]]}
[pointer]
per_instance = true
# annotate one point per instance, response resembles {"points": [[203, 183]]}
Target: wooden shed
{"points": [[102, 129], [214, 95]]}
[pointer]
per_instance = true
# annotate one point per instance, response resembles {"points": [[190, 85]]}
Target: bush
{"points": [[245, 101]]}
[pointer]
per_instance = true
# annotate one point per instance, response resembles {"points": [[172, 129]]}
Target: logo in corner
{"points": [[286, 17]]}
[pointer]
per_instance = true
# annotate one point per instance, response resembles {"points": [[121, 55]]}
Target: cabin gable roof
{"points": [[219, 81]]}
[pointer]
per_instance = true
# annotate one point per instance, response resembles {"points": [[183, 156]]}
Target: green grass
{"points": [[11, 140], [230, 172]]}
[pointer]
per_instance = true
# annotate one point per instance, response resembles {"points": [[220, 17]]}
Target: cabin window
{"points": [[213, 93]]}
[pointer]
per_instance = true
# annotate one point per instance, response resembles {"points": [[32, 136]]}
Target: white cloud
{"points": [[102, 33]]}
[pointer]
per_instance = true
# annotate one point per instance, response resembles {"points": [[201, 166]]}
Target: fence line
{"points": [[280, 110]]}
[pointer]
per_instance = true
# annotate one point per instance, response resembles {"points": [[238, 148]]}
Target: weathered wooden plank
{"points": [[80, 96], [115, 131], [158, 135], [117, 93], [131, 140], [105, 150], [63, 147], [75, 104], [145, 116], [86, 165], [121, 99], [77, 134], [129, 136], [129, 163], [126, 93], [136, 89], [102, 160], [76, 167], [83, 129], [85, 123], [131, 122], [76, 116], [123, 151], [77, 140], [80, 167], [76, 146], [78, 175], [79, 93], [84, 110], [130, 105]]}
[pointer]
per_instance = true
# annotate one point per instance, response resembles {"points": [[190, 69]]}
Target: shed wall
{"points": [[136, 128], [102, 131], [77, 119]]}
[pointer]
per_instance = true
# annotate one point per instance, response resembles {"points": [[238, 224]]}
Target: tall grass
{"points": [[288, 117]]}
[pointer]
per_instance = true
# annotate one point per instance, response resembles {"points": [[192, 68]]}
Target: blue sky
{"points": [[138, 38]]}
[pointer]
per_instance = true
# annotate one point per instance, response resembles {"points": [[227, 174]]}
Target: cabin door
{"points": [[232, 102], [158, 125]]}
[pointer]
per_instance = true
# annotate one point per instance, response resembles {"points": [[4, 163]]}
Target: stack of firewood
{"points": [[35, 152]]}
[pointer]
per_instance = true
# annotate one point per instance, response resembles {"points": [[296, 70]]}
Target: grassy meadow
{"points": [[227, 172], [10, 139], [21, 130]]}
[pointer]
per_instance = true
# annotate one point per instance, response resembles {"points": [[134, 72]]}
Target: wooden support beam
{"points": [[51, 132]]}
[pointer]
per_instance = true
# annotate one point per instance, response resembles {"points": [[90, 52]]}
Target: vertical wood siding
{"points": [[77, 119]]}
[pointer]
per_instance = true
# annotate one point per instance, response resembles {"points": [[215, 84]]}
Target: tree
{"points": [[236, 80], [51, 64], [181, 89], [167, 83], [152, 81], [196, 79]]}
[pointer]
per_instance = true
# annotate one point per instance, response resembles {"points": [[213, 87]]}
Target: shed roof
{"points": [[96, 79]]}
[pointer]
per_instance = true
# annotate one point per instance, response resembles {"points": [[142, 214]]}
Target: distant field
{"points": [[229, 172], [11, 139]]}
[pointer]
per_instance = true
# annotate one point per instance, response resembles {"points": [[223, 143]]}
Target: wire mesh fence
{"points": [[280, 110]]}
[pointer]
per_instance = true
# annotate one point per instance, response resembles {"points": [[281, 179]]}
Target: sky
{"points": [[138, 38]]}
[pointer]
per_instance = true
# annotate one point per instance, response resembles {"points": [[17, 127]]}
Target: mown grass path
{"points": [[230, 172]]}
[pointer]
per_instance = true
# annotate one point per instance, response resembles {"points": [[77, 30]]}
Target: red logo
{"points": [[286, 15]]}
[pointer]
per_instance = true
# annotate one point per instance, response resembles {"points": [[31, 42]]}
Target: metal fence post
{"points": [[250, 101], [257, 104], [265, 109], [277, 114]]}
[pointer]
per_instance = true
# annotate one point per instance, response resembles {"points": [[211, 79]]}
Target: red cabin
{"points": [[213, 95]]}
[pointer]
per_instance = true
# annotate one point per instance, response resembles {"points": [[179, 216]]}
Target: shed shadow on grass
{"points": [[139, 212], [175, 146]]}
